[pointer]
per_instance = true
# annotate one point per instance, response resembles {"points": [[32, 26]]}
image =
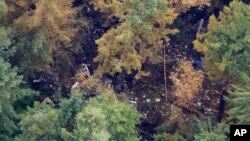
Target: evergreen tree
{"points": [[91, 125], [33, 52], [121, 117], [168, 137], [45, 122], [100, 118], [69, 109], [12, 89], [10, 92], [104, 118], [40, 123], [6, 50], [226, 45], [209, 132], [238, 100]]}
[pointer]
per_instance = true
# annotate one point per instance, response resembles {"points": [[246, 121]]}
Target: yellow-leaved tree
{"points": [[187, 82], [44, 31], [184, 5], [54, 19], [139, 37]]}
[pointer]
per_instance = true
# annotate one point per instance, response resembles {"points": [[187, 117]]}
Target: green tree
{"points": [[33, 52], [104, 118], [209, 132], [91, 125], [226, 45], [238, 101], [69, 109], [11, 90], [121, 117], [45, 122], [6, 50], [168, 137], [39, 124], [100, 118], [138, 38]]}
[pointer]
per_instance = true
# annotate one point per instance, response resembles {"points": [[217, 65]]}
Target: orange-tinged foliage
{"points": [[52, 18], [184, 5], [15, 9], [45, 28], [187, 81], [12, 4]]}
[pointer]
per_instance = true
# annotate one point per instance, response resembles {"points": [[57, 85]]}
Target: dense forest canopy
{"points": [[123, 70]]}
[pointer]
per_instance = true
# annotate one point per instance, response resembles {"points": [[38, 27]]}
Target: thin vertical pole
{"points": [[165, 75]]}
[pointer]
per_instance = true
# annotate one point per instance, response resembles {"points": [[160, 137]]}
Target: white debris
{"points": [[199, 103], [108, 83], [133, 102], [157, 100], [167, 44], [37, 81], [148, 100], [218, 101], [75, 85], [88, 9], [85, 69]]}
